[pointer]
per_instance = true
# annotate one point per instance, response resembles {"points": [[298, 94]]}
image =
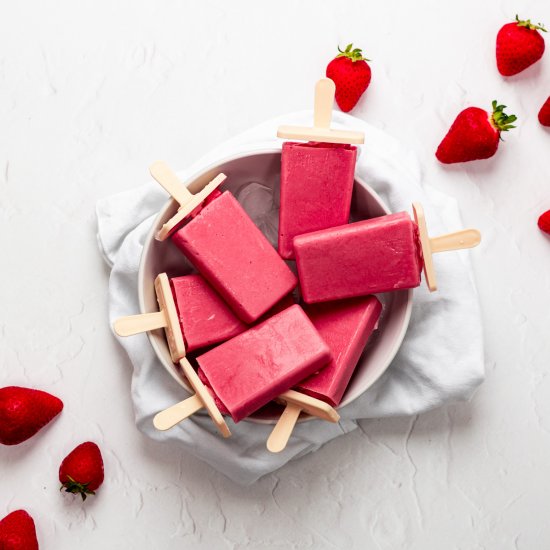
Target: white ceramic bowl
{"points": [[264, 167]]}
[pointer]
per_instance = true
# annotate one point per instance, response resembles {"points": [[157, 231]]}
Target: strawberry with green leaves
{"points": [[474, 135], [17, 532], [81, 471], [519, 45], [351, 74]]}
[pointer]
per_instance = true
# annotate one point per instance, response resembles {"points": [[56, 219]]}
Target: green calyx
{"points": [[76, 488], [355, 54], [500, 120], [527, 23]]}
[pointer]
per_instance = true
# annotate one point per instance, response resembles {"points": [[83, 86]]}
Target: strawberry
{"points": [[81, 471], [544, 113], [474, 134], [17, 532], [519, 45], [351, 74], [24, 411], [544, 222]]}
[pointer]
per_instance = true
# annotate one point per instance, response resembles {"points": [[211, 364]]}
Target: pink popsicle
{"points": [[366, 257], [233, 255], [316, 189], [205, 319], [260, 364], [346, 326]]}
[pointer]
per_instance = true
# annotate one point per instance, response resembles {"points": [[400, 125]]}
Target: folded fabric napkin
{"points": [[441, 358]]}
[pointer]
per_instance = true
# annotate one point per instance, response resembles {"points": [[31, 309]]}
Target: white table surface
{"points": [[90, 93]]}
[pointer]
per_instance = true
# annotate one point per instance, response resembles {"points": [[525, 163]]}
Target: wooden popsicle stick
{"points": [[323, 102], [187, 201], [166, 317], [207, 400], [168, 418], [282, 431], [467, 238], [297, 402], [162, 174], [174, 335], [135, 324], [322, 115]]}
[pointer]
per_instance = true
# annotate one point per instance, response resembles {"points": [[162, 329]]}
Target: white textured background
{"points": [[90, 93]]}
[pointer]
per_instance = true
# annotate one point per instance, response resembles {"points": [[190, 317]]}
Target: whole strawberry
{"points": [[24, 411], [474, 134], [544, 113], [351, 74], [519, 45], [17, 532], [544, 222], [81, 471]]}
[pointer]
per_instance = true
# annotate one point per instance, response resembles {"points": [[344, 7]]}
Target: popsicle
{"points": [[371, 256], [316, 177], [192, 314], [233, 255], [346, 326], [261, 364]]}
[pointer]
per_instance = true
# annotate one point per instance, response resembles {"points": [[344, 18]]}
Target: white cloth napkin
{"points": [[441, 358]]}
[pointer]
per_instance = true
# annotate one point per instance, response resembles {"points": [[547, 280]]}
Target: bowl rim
{"points": [[150, 239]]}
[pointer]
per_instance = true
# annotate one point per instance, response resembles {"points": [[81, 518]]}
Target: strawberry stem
{"points": [[72, 486], [355, 54], [500, 120], [527, 23]]}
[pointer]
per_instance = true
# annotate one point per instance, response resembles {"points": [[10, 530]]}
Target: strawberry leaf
{"points": [[527, 24], [355, 54], [500, 120]]}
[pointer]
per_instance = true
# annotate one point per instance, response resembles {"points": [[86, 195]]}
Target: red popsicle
{"points": [[233, 255], [372, 256], [260, 364], [346, 326]]}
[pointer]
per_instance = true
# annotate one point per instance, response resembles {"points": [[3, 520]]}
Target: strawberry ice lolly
{"points": [[191, 312], [243, 374], [205, 319], [225, 246], [346, 326], [260, 364], [316, 177], [316, 188], [371, 256], [234, 256]]}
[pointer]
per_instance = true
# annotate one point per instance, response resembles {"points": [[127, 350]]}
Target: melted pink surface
{"points": [[205, 319], [316, 189], [256, 366], [233, 255], [366, 257], [345, 326]]}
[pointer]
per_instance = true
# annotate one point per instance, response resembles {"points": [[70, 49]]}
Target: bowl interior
{"points": [[254, 180]]}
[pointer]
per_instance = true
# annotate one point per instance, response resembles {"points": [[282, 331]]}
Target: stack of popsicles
{"points": [[250, 342]]}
